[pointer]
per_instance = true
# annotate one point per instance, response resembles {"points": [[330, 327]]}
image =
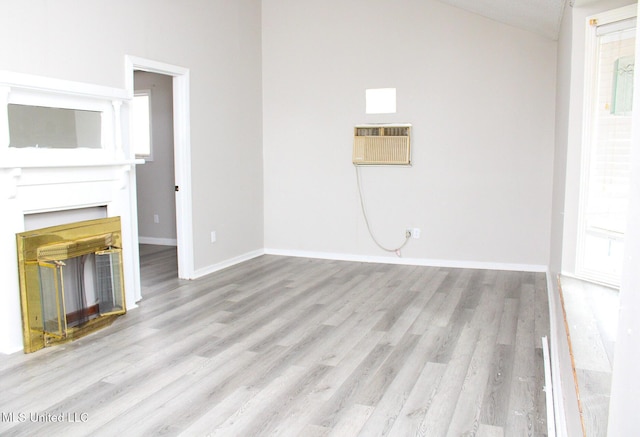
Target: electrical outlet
{"points": [[213, 236], [156, 218], [415, 233]]}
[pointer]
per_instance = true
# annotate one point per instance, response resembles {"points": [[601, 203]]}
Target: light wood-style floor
{"points": [[592, 316], [300, 347]]}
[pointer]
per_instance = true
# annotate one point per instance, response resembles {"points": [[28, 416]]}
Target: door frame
{"points": [[182, 152]]}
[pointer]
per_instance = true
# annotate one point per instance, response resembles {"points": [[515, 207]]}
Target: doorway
{"points": [[181, 154], [152, 128]]}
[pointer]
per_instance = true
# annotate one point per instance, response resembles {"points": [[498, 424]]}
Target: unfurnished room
{"points": [[302, 218]]}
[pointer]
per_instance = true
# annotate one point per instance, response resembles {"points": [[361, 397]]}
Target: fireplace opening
{"points": [[71, 280]]}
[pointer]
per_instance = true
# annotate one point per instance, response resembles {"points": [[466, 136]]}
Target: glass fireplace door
{"points": [[54, 320], [109, 281], [79, 289]]}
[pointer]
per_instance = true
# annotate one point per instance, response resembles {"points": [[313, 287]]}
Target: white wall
{"points": [[568, 419], [563, 110], [155, 180], [565, 397], [218, 40], [480, 95]]}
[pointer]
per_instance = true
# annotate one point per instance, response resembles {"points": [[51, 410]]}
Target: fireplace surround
{"points": [[36, 179], [71, 281]]}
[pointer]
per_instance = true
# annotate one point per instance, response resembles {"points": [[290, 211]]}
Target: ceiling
{"points": [[540, 16]]}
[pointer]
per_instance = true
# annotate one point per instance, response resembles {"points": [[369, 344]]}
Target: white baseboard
{"points": [[158, 241], [410, 261], [11, 349], [560, 428], [227, 263]]}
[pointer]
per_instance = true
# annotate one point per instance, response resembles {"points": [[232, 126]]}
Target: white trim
{"points": [[618, 14], [158, 241], [182, 158], [124, 163], [12, 350], [59, 86], [428, 262], [182, 152], [590, 280], [548, 388], [556, 380], [143, 64], [590, 92], [227, 263]]}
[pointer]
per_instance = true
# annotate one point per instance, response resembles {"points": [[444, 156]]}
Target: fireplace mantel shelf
{"points": [[41, 172], [115, 163], [21, 81]]}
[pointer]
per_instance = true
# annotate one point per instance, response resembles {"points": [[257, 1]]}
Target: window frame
{"points": [[591, 95], [143, 93]]}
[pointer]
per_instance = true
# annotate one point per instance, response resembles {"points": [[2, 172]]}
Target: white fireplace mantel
{"points": [[37, 180]]}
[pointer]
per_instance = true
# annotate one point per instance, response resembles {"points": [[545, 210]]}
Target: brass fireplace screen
{"points": [[71, 280]]}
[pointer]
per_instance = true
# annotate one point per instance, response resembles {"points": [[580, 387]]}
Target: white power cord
{"points": [[366, 220]]}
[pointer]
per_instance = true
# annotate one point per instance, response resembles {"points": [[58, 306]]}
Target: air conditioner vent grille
{"points": [[367, 131], [382, 145], [396, 131]]}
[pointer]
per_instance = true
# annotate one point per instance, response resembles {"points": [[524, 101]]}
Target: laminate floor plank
{"points": [[495, 406], [466, 417], [336, 406], [288, 403], [284, 346], [423, 322], [523, 415], [347, 366], [350, 333], [217, 413], [592, 317], [398, 392], [490, 431], [387, 372], [170, 399], [242, 419], [410, 418], [509, 322], [353, 301], [442, 408], [586, 338], [353, 421]]}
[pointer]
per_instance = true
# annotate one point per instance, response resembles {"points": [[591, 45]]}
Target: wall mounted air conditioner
{"points": [[382, 144]]}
